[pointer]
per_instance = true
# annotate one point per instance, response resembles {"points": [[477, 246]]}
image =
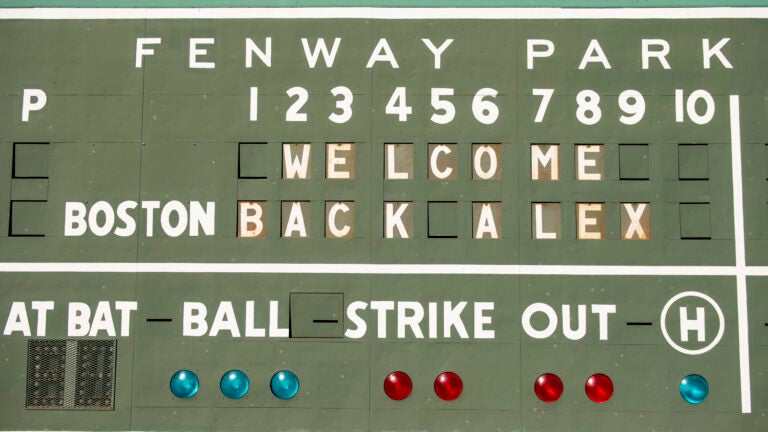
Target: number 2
{"points": [[293, 114]]}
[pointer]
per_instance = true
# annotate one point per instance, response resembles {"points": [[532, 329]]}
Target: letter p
{"points": [[32, 100]]}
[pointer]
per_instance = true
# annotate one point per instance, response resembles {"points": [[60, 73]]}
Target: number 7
{"points": [[546, 95]]}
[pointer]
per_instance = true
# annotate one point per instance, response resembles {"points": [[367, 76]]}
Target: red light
{"points": [[448, 386], [398, 385], [548, 387], [599, 388]]}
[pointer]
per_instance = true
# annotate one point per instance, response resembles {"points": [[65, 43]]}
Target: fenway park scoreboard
{"points": [[362, 219]]}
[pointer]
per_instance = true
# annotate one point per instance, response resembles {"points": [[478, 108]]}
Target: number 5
{"points": [[442, 105]]}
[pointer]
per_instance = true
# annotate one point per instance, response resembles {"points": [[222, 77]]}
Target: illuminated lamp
{"points": [[284, 384], [448, 386], [184, 384], [694, 389], [234, 384], [599, 388], [548, 387], [398, 385]]}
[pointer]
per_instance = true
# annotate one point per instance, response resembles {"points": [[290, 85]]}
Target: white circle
{"points": [[719, 316], [548, 311]]}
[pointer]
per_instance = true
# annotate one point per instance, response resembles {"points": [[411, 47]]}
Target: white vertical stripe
{"points": [[738, 198], [741, 263]]}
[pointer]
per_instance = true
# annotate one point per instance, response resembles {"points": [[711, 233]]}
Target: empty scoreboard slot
{"points": [[693, 161], [633, 162], [316, 315], [29, 189], [71, 374], [695, 221], [27, 219], [253, 161], [442, 219], [30, 160]]}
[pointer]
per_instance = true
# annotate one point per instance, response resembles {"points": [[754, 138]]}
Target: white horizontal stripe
{"points": [[563, 13], [381, 13], [185, 13], [756, 271], [427, 269]]}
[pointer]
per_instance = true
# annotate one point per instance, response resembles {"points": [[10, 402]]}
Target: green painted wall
{"points": [[384, 3], [166, 131]]}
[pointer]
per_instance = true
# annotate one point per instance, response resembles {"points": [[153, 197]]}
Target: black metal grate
{"points": [[71, 374], [46, 366], [95, 374]]}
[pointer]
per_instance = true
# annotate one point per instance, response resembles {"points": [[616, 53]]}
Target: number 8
{"points": [[588, 101]]}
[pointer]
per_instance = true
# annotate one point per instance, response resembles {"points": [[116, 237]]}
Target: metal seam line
{"points": [[383, 13], [741, 263]]}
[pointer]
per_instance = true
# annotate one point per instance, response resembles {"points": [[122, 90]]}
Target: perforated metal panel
{"points": [[46, 367], [71, 374]]}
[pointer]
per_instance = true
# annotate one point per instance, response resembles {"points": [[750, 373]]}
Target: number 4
{"points": [[397, 105], [546, 96]]}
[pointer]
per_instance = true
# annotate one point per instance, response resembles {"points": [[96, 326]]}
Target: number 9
{"points": [[635, 110]]}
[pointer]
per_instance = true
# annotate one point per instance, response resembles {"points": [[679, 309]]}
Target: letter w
{"points": [[320, 47], [296, 165]]}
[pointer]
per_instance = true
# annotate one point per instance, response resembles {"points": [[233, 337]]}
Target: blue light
{"points": [[284, 384], [234, 384], [184, 384], [694, 389]]}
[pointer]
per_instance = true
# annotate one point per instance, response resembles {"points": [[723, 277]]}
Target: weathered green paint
{"points": [[167, 132]]}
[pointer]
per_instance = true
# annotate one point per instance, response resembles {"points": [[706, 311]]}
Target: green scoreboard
{"points": [[384, 219]]}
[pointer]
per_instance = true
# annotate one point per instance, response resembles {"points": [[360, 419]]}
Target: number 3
{"points": [[345, 105]]}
